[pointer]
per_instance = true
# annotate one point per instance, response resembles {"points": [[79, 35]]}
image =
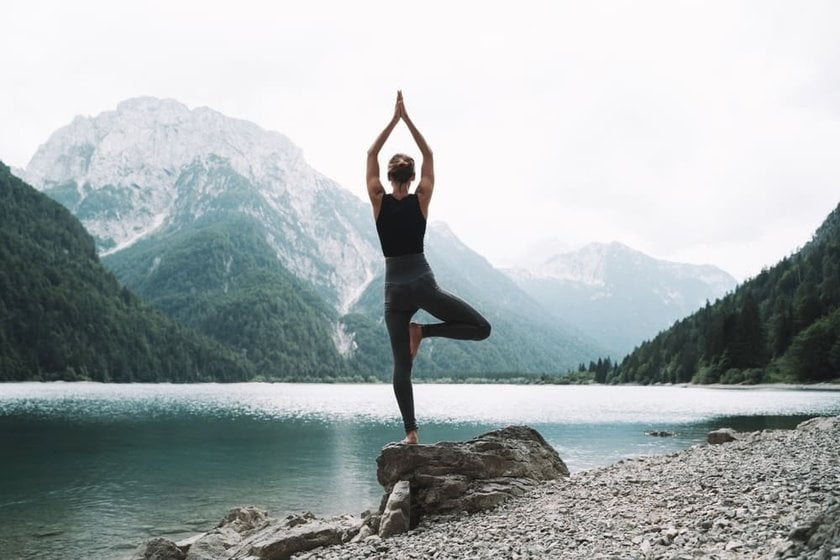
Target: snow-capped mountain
{"points": [[224, 226], [619, 294], [154, 164]]}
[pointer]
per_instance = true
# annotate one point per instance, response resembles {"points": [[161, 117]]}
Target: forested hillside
{"points": [[222, 279], [783, 325], [63, 316]]}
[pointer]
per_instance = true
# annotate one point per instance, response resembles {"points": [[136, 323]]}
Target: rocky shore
{"points": [[506, 494], [770, 494]]}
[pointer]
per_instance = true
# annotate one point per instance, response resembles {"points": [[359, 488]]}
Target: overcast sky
{"points": [[703, 132]]}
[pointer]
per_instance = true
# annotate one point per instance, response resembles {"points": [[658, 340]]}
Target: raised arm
{"points": [[427, 168], [374, 184]]}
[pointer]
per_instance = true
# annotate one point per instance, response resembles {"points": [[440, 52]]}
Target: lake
{"points": [[91, 470]]}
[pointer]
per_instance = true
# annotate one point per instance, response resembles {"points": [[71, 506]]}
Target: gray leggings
{"points": [[409, 286]]}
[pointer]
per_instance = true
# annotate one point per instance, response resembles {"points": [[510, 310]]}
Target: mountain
{"points": [[225, 227], [782, 325], [619, 295], [63, 316]]}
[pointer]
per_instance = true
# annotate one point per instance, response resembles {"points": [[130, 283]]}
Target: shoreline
{"points": [[769, 494], [823, 386], [770, 386]]}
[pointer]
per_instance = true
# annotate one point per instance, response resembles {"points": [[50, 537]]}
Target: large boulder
{"points": [[469, 476]]}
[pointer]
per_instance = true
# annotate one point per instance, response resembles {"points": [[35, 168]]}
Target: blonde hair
{"points": [[401, 168]]}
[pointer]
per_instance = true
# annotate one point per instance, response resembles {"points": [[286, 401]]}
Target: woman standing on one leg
{"points": [[409, 282]]}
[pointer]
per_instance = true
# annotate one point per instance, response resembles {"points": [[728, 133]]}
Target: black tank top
{"points": [[401, 226]]}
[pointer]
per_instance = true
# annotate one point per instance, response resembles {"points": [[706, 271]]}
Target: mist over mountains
{"points": [[223, 226], [618, 294]]}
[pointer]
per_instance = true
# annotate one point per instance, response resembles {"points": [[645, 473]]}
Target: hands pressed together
{"points": [[399, 108]]}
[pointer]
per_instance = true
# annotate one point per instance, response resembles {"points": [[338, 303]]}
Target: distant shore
{"points": [[780, 386], [524, 380], [769, 494]]}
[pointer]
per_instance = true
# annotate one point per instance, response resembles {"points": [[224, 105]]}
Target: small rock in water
{"points": [[660, 433]]}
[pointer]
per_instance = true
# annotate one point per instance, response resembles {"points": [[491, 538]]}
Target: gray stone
{"points": [[818, 423], [396, 516], [158, 549], [721, 435], [363, 533], [243, 519], [280, 540], [800, 533], [733, 545], [470, 476], [213, 545], [237, 525], [248, 533], [185, 544]]}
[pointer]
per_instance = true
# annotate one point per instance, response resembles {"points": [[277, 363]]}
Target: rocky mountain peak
{"points": [[153, 165], [121, 147]]}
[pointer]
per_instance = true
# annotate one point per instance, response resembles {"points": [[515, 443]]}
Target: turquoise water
{"points": [[91, 470]]}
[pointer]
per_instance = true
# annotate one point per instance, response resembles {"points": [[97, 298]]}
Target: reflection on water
{"points": [[91, 470]]}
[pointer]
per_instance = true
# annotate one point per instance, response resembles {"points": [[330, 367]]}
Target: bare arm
{"points": [[374, 185], [427, 168]]}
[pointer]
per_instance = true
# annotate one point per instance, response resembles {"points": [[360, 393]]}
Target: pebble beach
{"points": [[769, 494]]}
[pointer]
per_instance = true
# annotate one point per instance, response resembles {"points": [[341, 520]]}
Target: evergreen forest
{"points": [[781, 326], [64, 317]]}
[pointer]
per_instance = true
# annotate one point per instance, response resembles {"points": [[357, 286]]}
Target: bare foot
{"points": [[410, 438], [415, 335]]}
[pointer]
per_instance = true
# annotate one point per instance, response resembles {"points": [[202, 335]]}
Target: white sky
{"points": [[704, 132]]}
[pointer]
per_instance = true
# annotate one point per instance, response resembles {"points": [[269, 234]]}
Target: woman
{"points": [[409, 282]]}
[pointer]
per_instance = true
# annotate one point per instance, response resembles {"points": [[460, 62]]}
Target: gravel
{"points": [[770, 494]]}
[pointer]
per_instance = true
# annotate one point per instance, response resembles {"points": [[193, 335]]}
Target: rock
{"points": [[236, 526], [279, 540], [733, 545], [242, 519], [396, 516], [248, 533], [363, 534], [185, 544], [470, 476], [213, 545], [800, 533], [819, 423], [158, 549], [660, 434], [721, 435]]}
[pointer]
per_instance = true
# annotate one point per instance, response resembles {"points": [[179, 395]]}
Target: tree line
{"points": [[781, 326]]}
